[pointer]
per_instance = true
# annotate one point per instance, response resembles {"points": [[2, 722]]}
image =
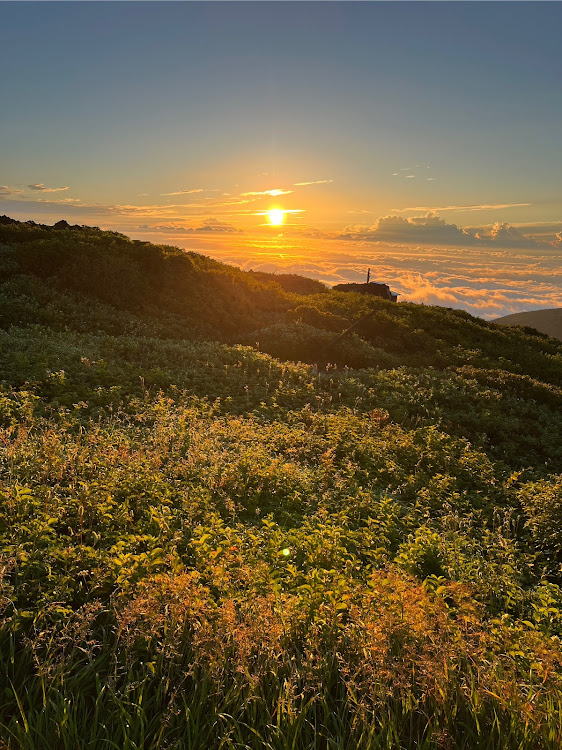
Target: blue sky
{"points": [[148, 115]]}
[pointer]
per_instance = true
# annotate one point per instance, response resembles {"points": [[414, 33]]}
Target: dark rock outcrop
{"points": [[373, 288]]}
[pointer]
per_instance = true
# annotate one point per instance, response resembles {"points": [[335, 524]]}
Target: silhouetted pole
{"points": [[368, 275]]}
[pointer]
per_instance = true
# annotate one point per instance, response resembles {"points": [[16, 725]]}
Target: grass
{"points": [[205, 546]]}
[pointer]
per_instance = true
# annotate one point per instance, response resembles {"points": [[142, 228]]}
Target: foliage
{"points": [[291, 282], [202, 546]]}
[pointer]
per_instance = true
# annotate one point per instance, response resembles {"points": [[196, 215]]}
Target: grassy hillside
{"points": [[218, 529], [547, 321]]}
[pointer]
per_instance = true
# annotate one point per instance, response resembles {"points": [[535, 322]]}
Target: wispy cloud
{"points": [[412, 172], [61, 201], [312, 182], [153, 210], [481, 207], [39, 186], [401, 174], [184, 192], [6, 191], [274, 192], [161, 227], [210, 225], [285, 211]]}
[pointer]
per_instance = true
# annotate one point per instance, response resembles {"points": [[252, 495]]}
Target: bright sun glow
{"points": [[276, 216]]}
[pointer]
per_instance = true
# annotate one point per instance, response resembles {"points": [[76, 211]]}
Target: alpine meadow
{"points": [[224, 526], [280, 375]]}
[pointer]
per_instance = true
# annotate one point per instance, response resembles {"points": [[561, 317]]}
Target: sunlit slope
{"points": [[547, 321], [87, 280], [206, 546]]}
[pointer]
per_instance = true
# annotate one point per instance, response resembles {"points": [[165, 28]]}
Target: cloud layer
{"points": [[430, 229], [488, 281]]}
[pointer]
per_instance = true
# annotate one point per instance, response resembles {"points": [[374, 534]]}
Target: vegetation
{"points": [[219, 529]]}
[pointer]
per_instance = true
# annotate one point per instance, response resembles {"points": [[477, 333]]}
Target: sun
{"points": [[276, 216]]}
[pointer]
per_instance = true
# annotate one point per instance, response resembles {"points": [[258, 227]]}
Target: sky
{"points": [[420, 139]]}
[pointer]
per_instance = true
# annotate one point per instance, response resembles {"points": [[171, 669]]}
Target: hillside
{"points": [[547, 321], [87, 280], [220, 529]]}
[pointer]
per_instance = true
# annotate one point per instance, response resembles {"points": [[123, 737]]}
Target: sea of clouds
{"points": [[486, 281]]}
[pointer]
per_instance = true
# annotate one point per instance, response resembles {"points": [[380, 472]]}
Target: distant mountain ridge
{"points": [[547, 321]]}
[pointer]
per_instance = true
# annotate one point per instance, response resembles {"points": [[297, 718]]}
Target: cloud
{"points": [[211, 228], [508, 236], [44, 189], [478, 297], [542, 231], [46, 200], [483, 278], [6, 191], [410, 170], [275, 192], [162, 227], [210, 225], [171, 211], [24, 207], [430, 229], [184, 192], [481, 207], [285, 211], [214, 225], [312, 182]]}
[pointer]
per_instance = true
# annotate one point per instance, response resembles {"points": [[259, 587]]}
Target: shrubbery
{"points": [[206, 547]]}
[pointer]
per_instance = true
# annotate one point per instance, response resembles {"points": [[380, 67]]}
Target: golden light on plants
{"points": [[276, 216]]}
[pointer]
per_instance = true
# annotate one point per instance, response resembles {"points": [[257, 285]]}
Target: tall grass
{"points": [[203, 547]]}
